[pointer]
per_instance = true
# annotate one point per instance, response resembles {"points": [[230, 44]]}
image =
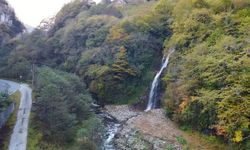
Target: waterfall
{"points": [[155, 83]]}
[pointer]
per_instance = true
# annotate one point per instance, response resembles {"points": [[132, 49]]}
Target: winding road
{"points": [[18, 139]]}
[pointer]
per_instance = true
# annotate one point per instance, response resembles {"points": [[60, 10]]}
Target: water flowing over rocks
{"points": [[143, 130]]}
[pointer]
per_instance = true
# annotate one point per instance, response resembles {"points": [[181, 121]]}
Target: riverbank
{"points": [[151, 130]]}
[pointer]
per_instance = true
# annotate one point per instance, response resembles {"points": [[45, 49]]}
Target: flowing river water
{"points": [[111, 129]]}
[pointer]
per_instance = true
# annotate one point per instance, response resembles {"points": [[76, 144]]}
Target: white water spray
{"points": [[155, 83]]}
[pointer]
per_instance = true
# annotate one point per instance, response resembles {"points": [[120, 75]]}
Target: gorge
{"points": [[99, 71]]}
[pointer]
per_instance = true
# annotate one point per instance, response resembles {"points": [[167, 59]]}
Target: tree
{"points": [[62, 103], [121, 68]]}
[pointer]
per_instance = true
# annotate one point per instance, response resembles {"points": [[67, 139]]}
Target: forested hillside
{"points": [[88, 39], [10, 26], [207, 85], [110, 47], [108, 53]]}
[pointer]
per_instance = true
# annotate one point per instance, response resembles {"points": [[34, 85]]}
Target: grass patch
{"points": [[170, 147], [6, 131], [208, 142], [181, 140]]}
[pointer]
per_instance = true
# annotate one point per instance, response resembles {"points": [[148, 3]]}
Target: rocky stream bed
{"points": [[139, 130]]}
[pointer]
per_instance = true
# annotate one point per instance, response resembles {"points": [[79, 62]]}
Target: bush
{"points": [[5, 101], [181, 140], [62, 103]]}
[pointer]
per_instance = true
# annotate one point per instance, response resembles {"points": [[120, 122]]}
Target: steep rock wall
{"points": [[10, 26]]}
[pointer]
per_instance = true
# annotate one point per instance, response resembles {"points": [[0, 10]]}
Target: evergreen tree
{"points": [[121, 68]]}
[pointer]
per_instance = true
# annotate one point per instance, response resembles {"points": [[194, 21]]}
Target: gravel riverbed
{"points": [[143, 130]]}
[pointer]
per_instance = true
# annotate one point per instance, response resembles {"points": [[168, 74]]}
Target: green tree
{"points": [[62, 103], [121, 68]]}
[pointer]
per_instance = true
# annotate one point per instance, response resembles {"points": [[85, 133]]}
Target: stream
{"points": [[111, 128]]}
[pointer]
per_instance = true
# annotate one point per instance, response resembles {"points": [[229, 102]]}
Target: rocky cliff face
{"points": [[10, 26]]}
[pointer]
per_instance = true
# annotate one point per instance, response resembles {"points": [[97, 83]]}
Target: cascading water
{"points": [[112, 127], [155, 83]]}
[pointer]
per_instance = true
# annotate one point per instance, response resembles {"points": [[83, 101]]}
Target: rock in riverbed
{"points": [[121, 112]]}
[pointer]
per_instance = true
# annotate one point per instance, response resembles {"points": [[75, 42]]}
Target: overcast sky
{"points": [[32, 12]]}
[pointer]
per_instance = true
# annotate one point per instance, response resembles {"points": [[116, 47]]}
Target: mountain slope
{"points": [[115, 51], [10, 26], [207, 84]]}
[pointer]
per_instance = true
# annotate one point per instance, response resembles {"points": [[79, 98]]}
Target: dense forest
{"points": [[108, 53], [208, 82]]}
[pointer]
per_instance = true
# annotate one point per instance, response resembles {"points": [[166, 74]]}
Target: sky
{"points": [[32, 12]]}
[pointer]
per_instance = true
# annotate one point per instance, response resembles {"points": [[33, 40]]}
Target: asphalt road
{"points": [[11, 86], [18, 139]]}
